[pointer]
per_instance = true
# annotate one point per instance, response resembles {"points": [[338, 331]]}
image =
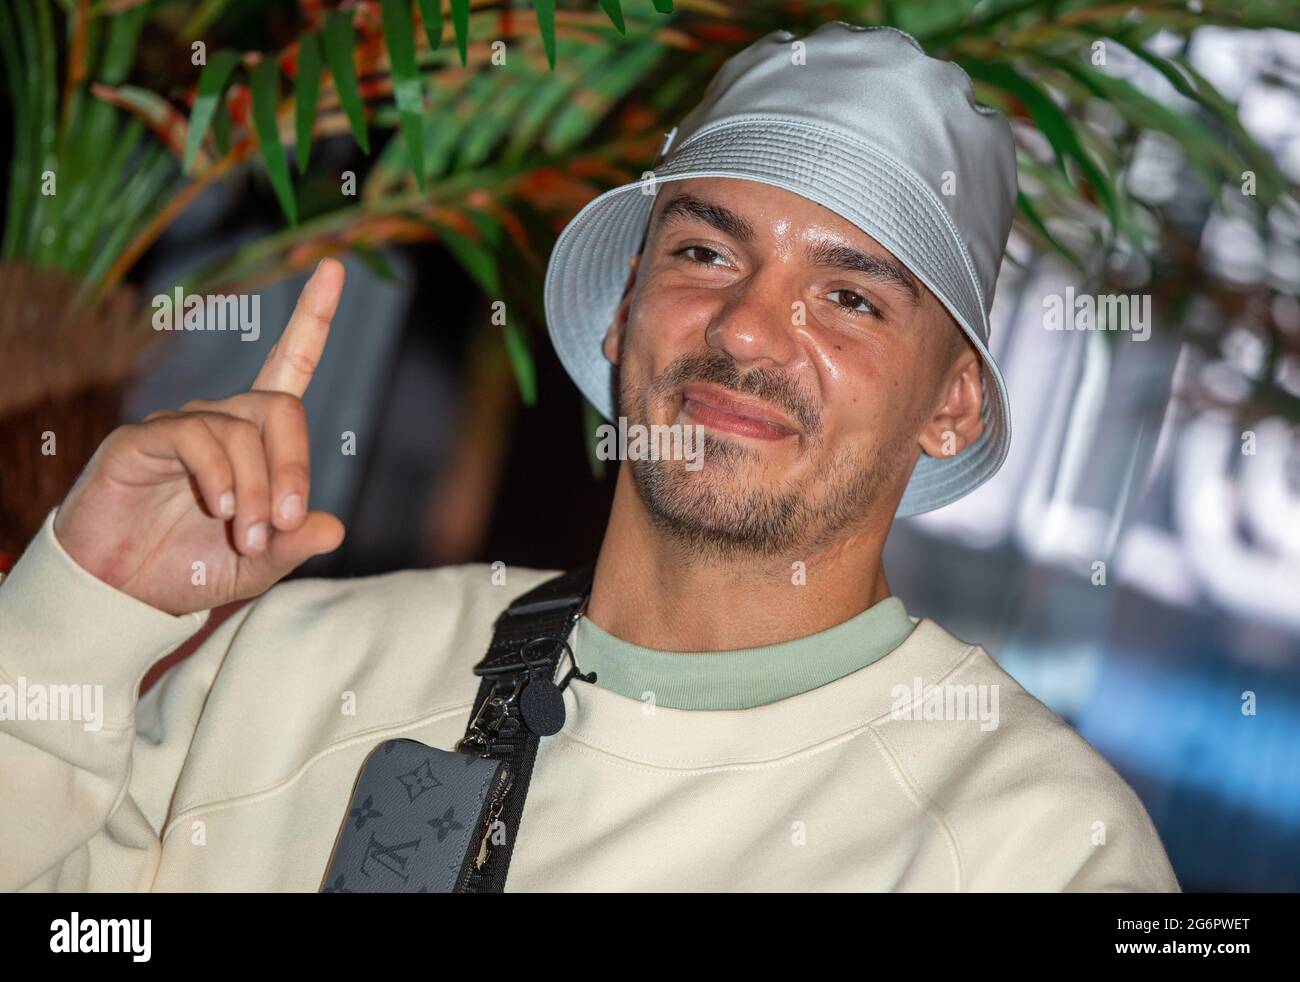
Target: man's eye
{"points": [[855, 302], [707, 259]]}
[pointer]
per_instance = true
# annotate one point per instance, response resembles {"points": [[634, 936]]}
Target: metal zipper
{"points": [[476, 856]]}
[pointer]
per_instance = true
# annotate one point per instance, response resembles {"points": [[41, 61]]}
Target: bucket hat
{"points": [[857, 119]]}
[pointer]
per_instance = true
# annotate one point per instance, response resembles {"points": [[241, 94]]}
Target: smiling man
{"points": [[733, 700], [819, 370], [817, 345]]}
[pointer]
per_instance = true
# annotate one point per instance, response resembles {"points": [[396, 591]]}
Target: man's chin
{"points": [[718, 509], [728, 466]]}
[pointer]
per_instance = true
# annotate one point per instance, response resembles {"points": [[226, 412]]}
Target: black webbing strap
{"points": [[549, 610]]}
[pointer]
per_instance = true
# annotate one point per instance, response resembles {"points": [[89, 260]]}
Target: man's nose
{"points": [[755, 325]]}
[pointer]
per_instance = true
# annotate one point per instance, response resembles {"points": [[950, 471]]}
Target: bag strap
{"points": [[534, 621]]}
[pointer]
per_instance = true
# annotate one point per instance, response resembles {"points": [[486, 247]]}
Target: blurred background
{"points": [[1135, 564]]}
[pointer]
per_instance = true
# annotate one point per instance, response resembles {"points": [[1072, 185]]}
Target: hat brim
{"points": [[589, 265]]}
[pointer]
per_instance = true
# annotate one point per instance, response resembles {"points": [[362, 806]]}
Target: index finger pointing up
{"points": [[293, 358]]}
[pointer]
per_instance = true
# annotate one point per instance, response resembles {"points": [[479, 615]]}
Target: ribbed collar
{"points": [[740, 679], [640, 732]]}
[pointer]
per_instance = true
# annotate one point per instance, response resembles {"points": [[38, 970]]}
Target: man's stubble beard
{"points": [[717, 513]]}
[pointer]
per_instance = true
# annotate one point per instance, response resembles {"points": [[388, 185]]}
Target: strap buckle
{"points": [[491, 717]]}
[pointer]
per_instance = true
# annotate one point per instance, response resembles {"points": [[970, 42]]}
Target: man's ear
{"points": [[956, 423], [614, 335]]}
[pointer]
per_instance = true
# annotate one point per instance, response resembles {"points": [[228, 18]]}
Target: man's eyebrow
{"points": [[687, 205], [878, 267]]}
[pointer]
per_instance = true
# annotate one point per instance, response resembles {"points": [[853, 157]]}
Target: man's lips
{"points": [[721, 410]]}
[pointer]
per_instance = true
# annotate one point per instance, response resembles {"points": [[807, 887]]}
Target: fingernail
{"points": [[227, 504], [291, 508], [255, 538]]}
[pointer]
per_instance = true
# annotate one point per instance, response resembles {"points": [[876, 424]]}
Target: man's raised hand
{"points": [[195, 508]]}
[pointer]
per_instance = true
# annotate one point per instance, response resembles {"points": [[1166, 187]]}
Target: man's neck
{"points": [[652, 590]]}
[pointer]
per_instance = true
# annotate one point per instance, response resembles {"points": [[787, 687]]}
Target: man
{"points": [[807, 277]]}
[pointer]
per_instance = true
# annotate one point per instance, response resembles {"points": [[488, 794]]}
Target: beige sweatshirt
{"points": [[234, 771]]}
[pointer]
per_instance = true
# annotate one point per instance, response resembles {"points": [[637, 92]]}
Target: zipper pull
{"points": [[494, 812]]}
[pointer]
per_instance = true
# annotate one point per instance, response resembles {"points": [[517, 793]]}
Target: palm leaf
{"points": [[1207, 153], [221, 126], [546, 95], [545, 10], [616, 77], [128, 209], [162, 118], [1051, 121], [473, 258], [431, 14], [460, 21], [84, 234], [306, 94], [264, 80], [521, 363], [479, 262], [615, 13], [1035, 221], [442, 137], [340, 40], [501, 108], [119, 50], [22, 169], [212, 83], [375, 261], [407, 86], [43, 91]]}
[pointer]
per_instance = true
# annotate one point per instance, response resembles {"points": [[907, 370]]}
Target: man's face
{"points": [[818, 364]]}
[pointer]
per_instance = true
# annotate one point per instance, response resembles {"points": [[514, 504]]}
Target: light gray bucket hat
{"points": [[861, 121]]}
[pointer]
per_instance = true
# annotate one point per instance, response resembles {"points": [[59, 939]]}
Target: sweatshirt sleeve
{"points": [[87, 772]]}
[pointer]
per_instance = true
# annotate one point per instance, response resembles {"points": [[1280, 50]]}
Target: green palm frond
{"points": [[1045, 63], [527, 135], [83, 176], [492, 147], [494, 144]]}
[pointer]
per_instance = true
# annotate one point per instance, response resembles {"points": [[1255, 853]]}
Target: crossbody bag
{"points": [[425, 820]]}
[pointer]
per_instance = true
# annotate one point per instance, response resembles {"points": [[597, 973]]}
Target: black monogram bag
{"points": [[425, 820]]}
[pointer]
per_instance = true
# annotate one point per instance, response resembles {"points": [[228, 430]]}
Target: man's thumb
{"points": [[320, 533]]}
